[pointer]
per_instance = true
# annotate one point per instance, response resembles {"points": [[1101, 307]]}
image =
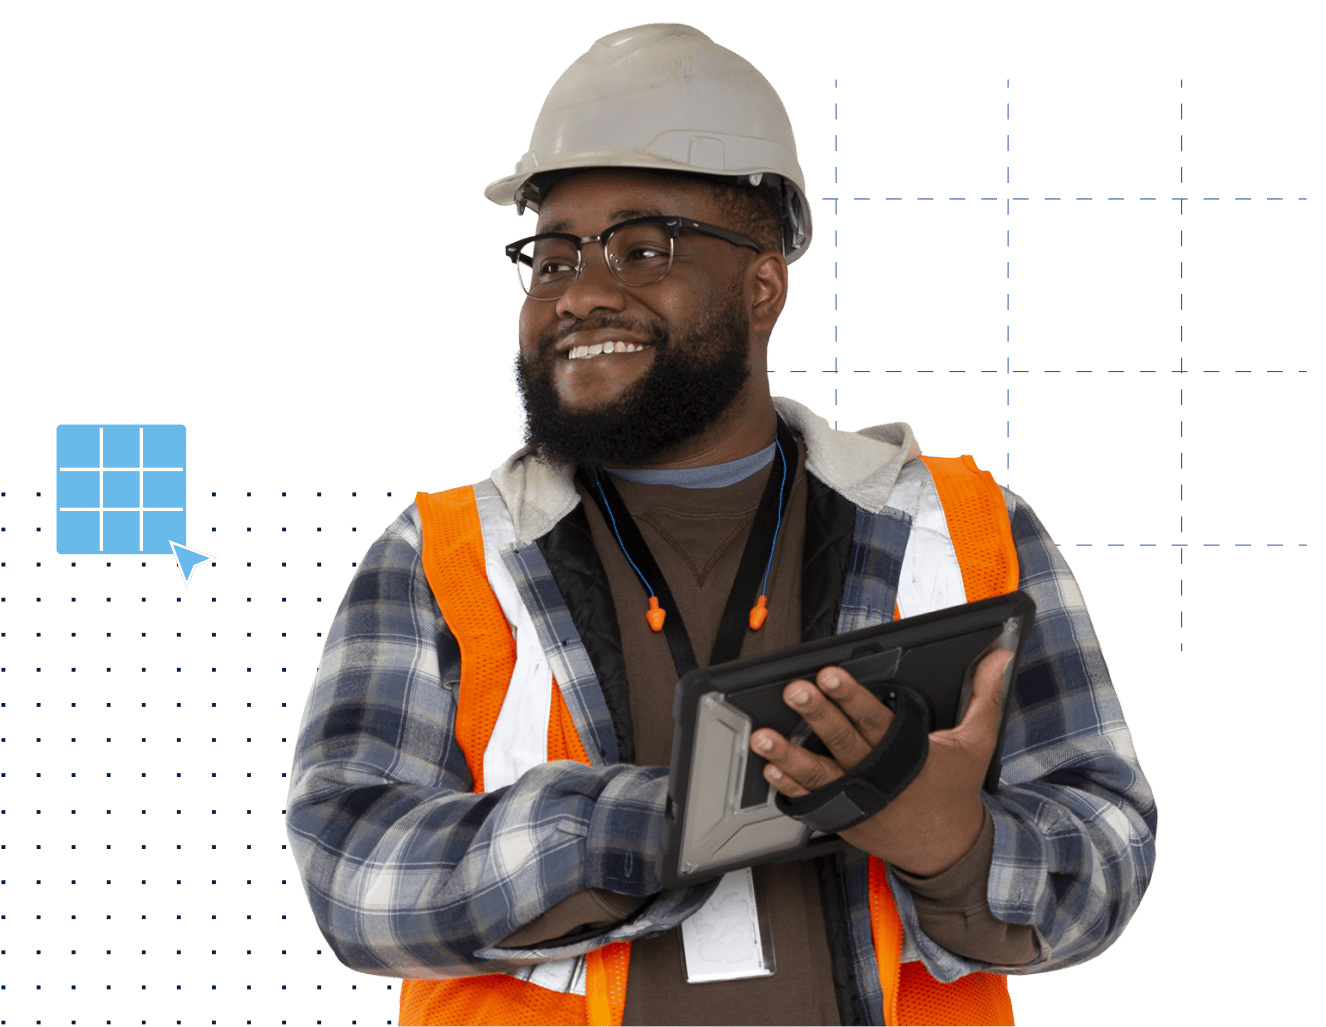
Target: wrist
{"points": [[942, 845]]}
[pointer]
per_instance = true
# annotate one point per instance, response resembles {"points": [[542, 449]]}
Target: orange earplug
{"points": [[655, 614], [758, 613]]}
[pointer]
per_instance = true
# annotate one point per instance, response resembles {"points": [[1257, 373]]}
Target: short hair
{"points": [[755, 211]]}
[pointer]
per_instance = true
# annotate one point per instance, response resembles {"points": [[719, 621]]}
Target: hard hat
{"points": [[664, 98]]}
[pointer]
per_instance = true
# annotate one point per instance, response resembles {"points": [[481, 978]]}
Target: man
{"points": [[478, 797]]}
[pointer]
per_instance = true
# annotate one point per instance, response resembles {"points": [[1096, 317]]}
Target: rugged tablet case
{"points": [[721, 812]]}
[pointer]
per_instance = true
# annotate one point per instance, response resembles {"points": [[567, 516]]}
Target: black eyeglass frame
{"points": [[673, 223]]}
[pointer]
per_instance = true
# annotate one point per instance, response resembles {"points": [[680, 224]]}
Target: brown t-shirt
{"points": [[697, 537]]}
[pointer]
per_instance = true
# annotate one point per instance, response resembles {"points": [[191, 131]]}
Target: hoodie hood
{"points": [[861, 466]]}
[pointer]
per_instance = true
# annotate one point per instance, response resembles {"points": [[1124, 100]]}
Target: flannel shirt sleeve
{"points": [[408, 872], [1075, 820]]}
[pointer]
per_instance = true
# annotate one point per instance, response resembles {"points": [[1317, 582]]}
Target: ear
{"points": [[766, 287]]}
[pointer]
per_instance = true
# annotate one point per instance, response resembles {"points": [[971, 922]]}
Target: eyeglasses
{"points": [[639, 252]]}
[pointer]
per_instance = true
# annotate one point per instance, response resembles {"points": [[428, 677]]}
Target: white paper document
{"points": [[726, 940]]}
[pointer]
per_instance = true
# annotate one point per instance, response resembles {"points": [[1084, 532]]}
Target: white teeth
{"points": [[617, 346]]}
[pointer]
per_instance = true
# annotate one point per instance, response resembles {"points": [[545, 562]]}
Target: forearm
{"points": [[592, 910], [1074, 818], [408, 872], [424, 882], [953, 910]]}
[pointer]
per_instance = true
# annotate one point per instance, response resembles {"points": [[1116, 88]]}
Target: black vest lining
{"points": [[568, 549]]}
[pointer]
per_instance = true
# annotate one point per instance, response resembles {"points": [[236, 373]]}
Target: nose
{"points": [[595, 288]]}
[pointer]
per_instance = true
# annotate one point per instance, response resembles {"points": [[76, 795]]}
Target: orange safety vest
{"points": [[453, 559]]}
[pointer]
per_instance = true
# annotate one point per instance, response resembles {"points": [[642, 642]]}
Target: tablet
{"points": [[721, 812]]}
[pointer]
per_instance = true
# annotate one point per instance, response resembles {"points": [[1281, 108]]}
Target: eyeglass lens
{"points": [[637, 254]]}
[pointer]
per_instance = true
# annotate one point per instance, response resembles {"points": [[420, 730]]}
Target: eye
{"points": [[645, 252], [551, 266]]}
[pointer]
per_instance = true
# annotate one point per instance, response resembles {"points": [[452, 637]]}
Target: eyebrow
{"points": [[614, 217]]}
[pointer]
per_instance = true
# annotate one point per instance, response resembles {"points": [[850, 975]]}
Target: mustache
{"points": [[655, 333]]}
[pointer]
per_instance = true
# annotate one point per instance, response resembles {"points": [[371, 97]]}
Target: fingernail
{"points": [[831, 681], [800, 697], [774, 772], [764, 744]]}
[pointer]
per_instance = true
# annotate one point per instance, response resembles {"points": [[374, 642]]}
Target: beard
{"points": [[695, 375]]}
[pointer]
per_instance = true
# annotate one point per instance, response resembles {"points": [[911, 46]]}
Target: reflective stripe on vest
{"points": [[960, 549], [463, 532]]}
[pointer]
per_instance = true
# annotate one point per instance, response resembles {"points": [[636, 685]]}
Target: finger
{"points": [[987, 697], [783, 783], [790, 768], [831, 725], [871, 717]]}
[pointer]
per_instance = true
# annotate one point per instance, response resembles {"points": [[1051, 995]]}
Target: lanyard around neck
{"points": [[745, 607]]}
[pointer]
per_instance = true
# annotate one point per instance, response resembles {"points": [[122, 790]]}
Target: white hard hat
{"points": [[665, 98]]}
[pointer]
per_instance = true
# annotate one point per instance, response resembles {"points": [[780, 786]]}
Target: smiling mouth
{"points": [[598, 349]]}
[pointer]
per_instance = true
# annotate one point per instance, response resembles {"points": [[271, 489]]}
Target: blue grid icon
{"points": [[119, 488]]}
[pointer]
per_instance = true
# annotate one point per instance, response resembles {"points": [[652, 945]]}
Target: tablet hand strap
{"points": [[878, 779]]}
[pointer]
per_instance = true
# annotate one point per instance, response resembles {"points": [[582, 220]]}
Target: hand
{"points": [[937, 817]]}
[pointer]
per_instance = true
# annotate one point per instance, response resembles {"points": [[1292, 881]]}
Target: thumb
{"points": [[987, 696]]}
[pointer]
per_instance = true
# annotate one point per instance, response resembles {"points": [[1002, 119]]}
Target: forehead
{"points": [[589, 201]]}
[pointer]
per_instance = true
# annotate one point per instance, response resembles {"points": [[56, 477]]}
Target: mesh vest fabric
{"points": [[454, 567], [973, 507], [982, 538], [453, 559]]}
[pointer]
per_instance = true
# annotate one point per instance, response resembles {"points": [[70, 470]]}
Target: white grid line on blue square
{"points": [[120, 488]]}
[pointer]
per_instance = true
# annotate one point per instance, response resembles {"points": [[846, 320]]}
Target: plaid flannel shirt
{"points": [[410, 874]]}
